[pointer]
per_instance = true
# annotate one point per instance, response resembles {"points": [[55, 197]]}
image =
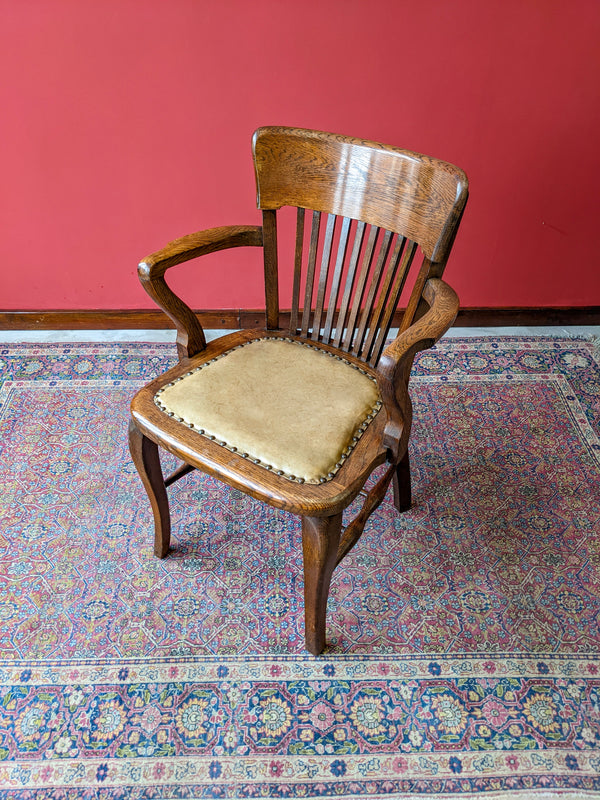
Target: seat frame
{"points": [[302, 169]]}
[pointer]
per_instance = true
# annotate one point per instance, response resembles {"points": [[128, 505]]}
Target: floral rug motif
{"points": [[463, 653]]}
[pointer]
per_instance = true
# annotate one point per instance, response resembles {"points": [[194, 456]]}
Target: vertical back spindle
{"points": [[359, 236], [373, 287], [386, 322], [360, 287], [334, 290], [297, 270], [310, 271], [323, 275], [415, 296], [270, 263], [384, 296]]}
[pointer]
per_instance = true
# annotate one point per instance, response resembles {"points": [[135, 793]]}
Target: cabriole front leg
{"points": [[320, 540], [144, 453]]}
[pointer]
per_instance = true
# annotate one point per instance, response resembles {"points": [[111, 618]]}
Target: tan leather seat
{"points": [[288, 405]]}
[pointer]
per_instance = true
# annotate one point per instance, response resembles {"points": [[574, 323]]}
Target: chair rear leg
{"points": [[144, 453], [320, 540], [401, 483]]}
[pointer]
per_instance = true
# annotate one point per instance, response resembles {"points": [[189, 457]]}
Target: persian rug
{"points": [[463, 651]]}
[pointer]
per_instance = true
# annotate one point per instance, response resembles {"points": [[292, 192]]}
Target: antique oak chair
{"points": [[300, 414]]}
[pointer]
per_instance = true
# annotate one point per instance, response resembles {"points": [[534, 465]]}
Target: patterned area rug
{"points": [[464, 635]]}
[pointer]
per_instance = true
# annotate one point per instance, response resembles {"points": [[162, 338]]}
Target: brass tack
{"points": [[292, 477], [256, 460], [279, 472], [331, 475], [211, 437], [244, 455], [322, 480], [234, 449], [223, 443]]}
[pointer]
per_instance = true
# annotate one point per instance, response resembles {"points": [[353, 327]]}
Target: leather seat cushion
{"points": [[285, 404]]}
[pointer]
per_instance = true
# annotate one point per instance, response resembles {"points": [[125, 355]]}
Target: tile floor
{"points": [[169, 335]]}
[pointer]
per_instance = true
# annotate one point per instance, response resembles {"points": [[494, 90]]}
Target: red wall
{"points": [[127, 123]]}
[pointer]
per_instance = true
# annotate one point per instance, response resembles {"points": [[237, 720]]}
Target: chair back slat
{"points": [[359, 236], [310, 271], [323, 275], [377, 313], [359, 293], [374, 285], [271, 268], [408, 254], [334, 291], [297, 270], [415, 296]]}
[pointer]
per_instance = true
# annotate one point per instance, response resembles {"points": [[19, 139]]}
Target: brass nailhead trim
{"points": [[355, 439]]}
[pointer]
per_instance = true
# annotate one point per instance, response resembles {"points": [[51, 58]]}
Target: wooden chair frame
{"points": [[389, 201]]}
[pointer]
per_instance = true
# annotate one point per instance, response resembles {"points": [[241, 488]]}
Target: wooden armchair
{"points": [[299, 415]]}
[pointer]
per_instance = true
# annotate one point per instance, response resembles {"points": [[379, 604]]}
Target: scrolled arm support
{"points": [[151, 271], [396, 362]]}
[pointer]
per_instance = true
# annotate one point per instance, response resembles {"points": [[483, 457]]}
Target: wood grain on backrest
{"points": [[363, 208], [382, 185]]}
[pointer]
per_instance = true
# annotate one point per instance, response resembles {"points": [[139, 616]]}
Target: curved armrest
{"points": [[396, 361], [151, 271]]}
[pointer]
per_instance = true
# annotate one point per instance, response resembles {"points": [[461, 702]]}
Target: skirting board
{"points": [[232, 319]]}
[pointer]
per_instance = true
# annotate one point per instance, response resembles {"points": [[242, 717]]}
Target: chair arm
{"points": [[396, 361], [151, 271]]}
